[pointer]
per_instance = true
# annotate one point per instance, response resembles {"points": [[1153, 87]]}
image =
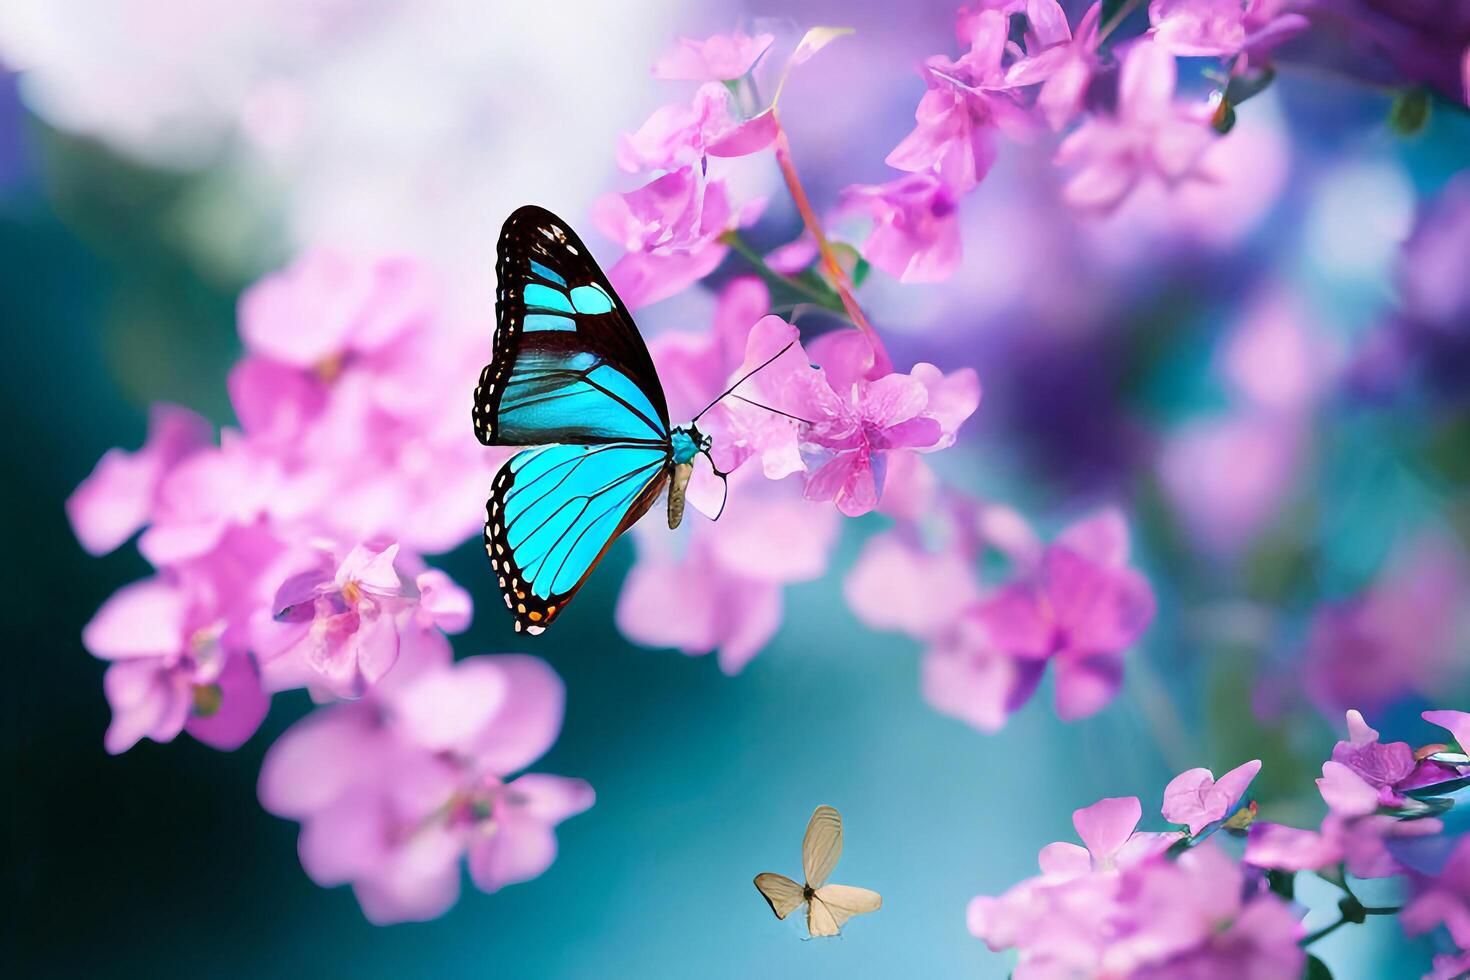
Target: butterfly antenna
{"points": [[776, 411], [744, 378]]}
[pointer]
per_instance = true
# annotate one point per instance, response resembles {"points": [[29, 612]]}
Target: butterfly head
{"points": [[689, 442]]}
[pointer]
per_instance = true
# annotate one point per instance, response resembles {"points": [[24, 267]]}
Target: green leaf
{"points": [[815, 40], [1110, 10], [1410, 112], [1316, 969]]}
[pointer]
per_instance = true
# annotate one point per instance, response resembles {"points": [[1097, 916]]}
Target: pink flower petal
{"points": [[1106, 825], [144, 619]]}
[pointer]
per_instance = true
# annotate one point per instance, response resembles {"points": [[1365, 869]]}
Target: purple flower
{"points": [[1080, 607], [1197, 799], [1063, 62], [1150, 137], [1399, 636], [967, 101], [1442, 899], [1364, 773], [174, 666], [339, 624], [121, 493], [916, 230], [723, 57], [393, 791]]}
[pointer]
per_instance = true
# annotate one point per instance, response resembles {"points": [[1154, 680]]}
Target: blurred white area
{"points": [[359, 124]]}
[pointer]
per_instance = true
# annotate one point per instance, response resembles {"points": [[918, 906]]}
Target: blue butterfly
{"points": [[569, 375]]}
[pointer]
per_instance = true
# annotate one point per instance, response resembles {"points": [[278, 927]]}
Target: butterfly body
{"points": [[828, 906], [571, 377]]}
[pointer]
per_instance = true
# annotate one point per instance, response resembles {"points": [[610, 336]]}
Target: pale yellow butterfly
{"points": [[828, 906]]}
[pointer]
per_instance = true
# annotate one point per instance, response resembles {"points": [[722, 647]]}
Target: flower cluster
{"points": [[998, 90], [1136, 903], [287, 555]]}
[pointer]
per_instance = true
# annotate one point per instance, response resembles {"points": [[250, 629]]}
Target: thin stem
{"points": [[1311, 938], [1162, 714], [1116, 19], [835, 272], [826, 301]]}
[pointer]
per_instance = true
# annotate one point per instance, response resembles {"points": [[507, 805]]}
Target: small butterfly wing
{"points": [[780, 892], [841, 902], [822, 845], [553, 513], [569, 365]]}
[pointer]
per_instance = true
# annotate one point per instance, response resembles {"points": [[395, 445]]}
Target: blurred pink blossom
{"points": [[720, 58], [725, 578], [1403, 634], [1197, 799], [916, 232], [1061, 61], [121, 493], [1080, 608], [1442, 899], [338, 624], [1195, 28], [172, 666], [393, 791], [1150, 137]]}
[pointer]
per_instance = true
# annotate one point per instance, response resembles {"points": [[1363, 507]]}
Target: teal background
{"points": [[161, 862]]}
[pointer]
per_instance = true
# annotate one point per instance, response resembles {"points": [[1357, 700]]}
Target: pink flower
{"points": [[393, 791], [1149, 137], [1197, 917], [1063, 62], [1401, 635], [1193, 28], [678, 135], [857, 423], [670, 228], [720, 58], [1197, 799], [333, 403], [916, 232], [121, 493], [727, 582], [1109, 829], [1443, 899], [173, 666], [967, 101], [1080, 607], [338, 625]]}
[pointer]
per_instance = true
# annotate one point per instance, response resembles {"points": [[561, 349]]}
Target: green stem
{"points": [[1324, 931], [1116, 19], [828, 301]]}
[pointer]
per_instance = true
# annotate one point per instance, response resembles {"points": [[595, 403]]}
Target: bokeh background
{"points": [[140, 192]]}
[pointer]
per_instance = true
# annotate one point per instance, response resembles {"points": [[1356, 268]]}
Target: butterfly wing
{"points": [[833, 905], [569, 365], [822, 845], [553, 512], [783, 895]]}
